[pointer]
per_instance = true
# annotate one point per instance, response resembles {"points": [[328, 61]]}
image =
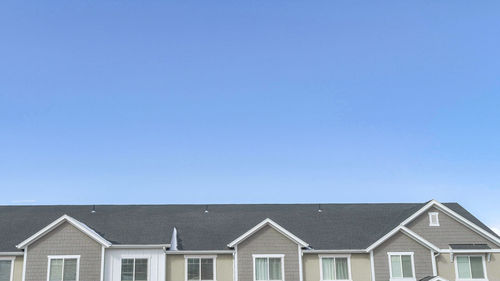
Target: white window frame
{"points": [[11, 259], [471, 279], [321, 257], [135, 257], [64, 257], [411, 254], [436, 215], [186, 257], [281, 256]]}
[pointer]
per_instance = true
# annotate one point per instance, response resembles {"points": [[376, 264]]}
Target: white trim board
{"points": [[268, 222], [65, 218]]}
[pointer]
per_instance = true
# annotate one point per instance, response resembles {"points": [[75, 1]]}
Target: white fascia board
{"points": [[274, 225], [65, 218], [11, 253], [200, 252], [383, 239], [346, 251], [419, 239], [139, 246]]}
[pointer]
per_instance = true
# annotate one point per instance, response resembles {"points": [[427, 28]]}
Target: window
{"points": [[401, 266], [134, 269], [6, 269], [470, 267], [268, 267], [200, 268], [433, 219], [63, 268], [335, 268]]}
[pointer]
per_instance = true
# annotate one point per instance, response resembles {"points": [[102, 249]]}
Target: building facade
{"points": [[301, 242]]}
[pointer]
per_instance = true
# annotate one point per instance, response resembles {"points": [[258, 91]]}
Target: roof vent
{"points": [[319, 208], [93, 209], [206, 209]]}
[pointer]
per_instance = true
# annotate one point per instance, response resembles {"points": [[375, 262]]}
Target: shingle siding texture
{"points": [[64, 240], [448, 232], [402, 243], [268, 241]]}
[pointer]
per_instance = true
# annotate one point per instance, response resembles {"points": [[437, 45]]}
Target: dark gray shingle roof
{"points": [[339, 226], [470, 246]]}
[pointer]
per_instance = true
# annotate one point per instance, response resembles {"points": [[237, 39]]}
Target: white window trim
{"points": [[63, 257], [471, 279], [186, 257], [431, 214], [11, 259], [335, 256], [135, 257], [411, 254], [281, 256]]}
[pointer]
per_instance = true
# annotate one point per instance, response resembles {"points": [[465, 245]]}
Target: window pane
{"points": [[56, 267], [274, 268], [127, 269], [141, 269], [341, 269], [327, 265], [207, 269], [69, 270], [407, 268], [463, 267], [396, 266], [5, 268], [261, 269], [193, 269], [476, 265]]}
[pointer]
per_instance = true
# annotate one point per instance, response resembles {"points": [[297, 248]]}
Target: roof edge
{"points": [[65, 218]]}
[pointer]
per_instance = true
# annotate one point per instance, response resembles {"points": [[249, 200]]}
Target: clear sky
{"points": [[250, 102]]}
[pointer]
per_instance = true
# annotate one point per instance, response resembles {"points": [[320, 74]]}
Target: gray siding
{"points": [[64, 240], [268, 241], [449, 231], [402, 243]]}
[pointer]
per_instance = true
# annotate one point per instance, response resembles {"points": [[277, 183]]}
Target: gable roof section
{"points": [[433, 203], [271, 223], [408, 233], [65, 218], [339, 227]]}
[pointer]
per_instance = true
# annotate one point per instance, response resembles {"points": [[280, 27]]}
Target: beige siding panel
{"points": [[268, 241], [402, 243], [449, 231], [360, 267], [18, 269], [176, 268], [310, 262], [446, 269], [64, 240], [224, 267]]}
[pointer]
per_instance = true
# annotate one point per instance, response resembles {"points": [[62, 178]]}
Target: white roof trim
{"points": [[419, 239], [274, 225], [408, 233], [443, 208], [65, 218]]}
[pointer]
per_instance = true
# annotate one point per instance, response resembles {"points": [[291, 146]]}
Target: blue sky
{"points": [[250, 101]]}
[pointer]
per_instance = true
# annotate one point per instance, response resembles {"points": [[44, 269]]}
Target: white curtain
{"points": [[328, 269], [261, 268], [274, 268], [463, 268], [396, 267], [56, 267], [342, 270], [5, 268]]}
